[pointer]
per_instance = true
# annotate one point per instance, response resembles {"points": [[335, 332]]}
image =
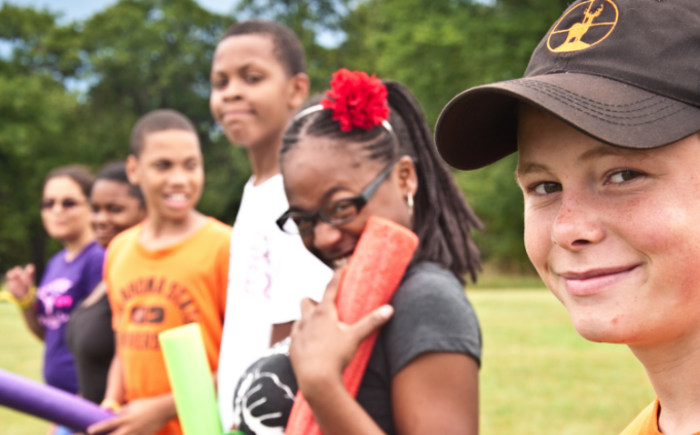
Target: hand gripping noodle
{"points": [[374, 272], [190, 380], [49, 403]]}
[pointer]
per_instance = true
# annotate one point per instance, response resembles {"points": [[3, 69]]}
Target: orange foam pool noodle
{"points": [[374, 272]]}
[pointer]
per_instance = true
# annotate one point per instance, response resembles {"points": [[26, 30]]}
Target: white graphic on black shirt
{"points": [[265, 394]]}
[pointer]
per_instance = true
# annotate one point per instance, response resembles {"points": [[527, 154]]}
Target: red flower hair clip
{"points": [[357, 100]]}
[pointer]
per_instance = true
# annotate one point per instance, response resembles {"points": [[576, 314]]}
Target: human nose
{"points": [[576, 225], [178, 176], [326, 236], [99, 217], [233, 90]]}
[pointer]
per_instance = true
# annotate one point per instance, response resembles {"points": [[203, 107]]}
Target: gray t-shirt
{"points": [[431, 314]]}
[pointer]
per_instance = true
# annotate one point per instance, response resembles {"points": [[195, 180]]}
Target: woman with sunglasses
{"points": [[367, 151], [70, 275]]}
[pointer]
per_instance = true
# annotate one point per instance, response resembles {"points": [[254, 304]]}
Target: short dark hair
{"points": [[155, 121], [78, 173], [442, 219], [287, 46], [117, 172]]}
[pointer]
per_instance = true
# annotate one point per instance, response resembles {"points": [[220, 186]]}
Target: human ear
{"points": [[407, 176], [299, 86], [131, 169]]}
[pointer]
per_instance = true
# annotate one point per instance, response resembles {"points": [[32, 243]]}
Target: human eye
{"points": [[340, 210], [545, 188], [341, 207], [162, 165], [253, 78], [622, 176], [115, 209], [303, 223], [219, 82], [191, 164]]}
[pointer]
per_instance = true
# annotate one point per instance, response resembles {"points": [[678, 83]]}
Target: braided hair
{"points": [[442, 219]]}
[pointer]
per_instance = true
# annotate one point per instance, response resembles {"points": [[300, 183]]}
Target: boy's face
{"points": [[170, 173], [613, 232], [252, 96]]}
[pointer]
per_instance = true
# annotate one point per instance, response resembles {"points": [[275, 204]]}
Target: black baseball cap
{"points": [[626, 72]]}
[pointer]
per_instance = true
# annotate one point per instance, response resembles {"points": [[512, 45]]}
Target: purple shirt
{"points": [[63, 286]]}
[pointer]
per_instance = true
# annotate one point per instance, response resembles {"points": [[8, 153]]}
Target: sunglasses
{"points": [[48, 204], [334, 213]]}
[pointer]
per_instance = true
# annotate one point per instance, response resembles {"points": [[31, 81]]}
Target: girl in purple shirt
{"points": [[70, 275]]}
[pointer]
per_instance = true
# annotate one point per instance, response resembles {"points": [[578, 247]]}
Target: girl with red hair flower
{"points": [[365, 150]]}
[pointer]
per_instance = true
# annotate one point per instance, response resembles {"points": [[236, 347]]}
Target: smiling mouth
{"points": [[176, 199], [103, 231], [341, 261], [594, 281], [235, 114]]}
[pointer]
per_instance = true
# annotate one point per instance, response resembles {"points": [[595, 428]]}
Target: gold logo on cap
{"points": [[578, 28]]}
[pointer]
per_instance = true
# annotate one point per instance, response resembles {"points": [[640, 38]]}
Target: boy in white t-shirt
{"points": [[258, 83]]}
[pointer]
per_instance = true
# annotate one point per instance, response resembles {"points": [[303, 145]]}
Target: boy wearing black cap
{"points": [[606, 122]]}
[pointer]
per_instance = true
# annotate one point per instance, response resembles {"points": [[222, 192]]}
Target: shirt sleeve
{"points": [[432, 314], [296, 274]]}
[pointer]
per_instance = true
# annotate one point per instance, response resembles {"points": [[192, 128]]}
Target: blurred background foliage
{"points": [[71, 91]]}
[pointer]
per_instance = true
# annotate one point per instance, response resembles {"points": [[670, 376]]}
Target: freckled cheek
{"points": [[538, 239], [665, 234], [669, 237]]}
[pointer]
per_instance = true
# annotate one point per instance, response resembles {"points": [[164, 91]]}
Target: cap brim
{"points": [[479, 126]]}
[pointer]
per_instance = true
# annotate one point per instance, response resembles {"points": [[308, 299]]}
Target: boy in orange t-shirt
{"points": [[169, 271]]}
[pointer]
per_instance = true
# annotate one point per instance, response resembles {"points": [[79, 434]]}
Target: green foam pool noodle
{"points": [[191, 380]]}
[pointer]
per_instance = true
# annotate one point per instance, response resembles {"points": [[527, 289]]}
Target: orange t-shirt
{"points": [[647, 422], [152, 291]]}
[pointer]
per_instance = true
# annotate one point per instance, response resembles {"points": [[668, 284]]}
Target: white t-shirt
{"points": [[270, 272]]}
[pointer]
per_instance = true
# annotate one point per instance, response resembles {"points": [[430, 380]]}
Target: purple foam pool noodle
{"points": [[48, 403]]}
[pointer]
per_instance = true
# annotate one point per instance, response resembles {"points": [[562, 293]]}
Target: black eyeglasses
{"points": [[67, 203], [337, 212]]}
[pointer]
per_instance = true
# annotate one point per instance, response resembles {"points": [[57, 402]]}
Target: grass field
{"points": [[20, 353], [538, 376]]}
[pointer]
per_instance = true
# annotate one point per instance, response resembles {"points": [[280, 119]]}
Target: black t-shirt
{"points": [[431, 314], [91, 340]]}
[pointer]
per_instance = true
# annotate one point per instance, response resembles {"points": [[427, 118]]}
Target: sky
{"points": [[81, 9]]}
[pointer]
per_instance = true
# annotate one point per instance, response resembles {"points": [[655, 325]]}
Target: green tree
{"points": [[133, 57], [71, 92], [308, 19], [37, 132], [148, 54], [438, 49]]}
